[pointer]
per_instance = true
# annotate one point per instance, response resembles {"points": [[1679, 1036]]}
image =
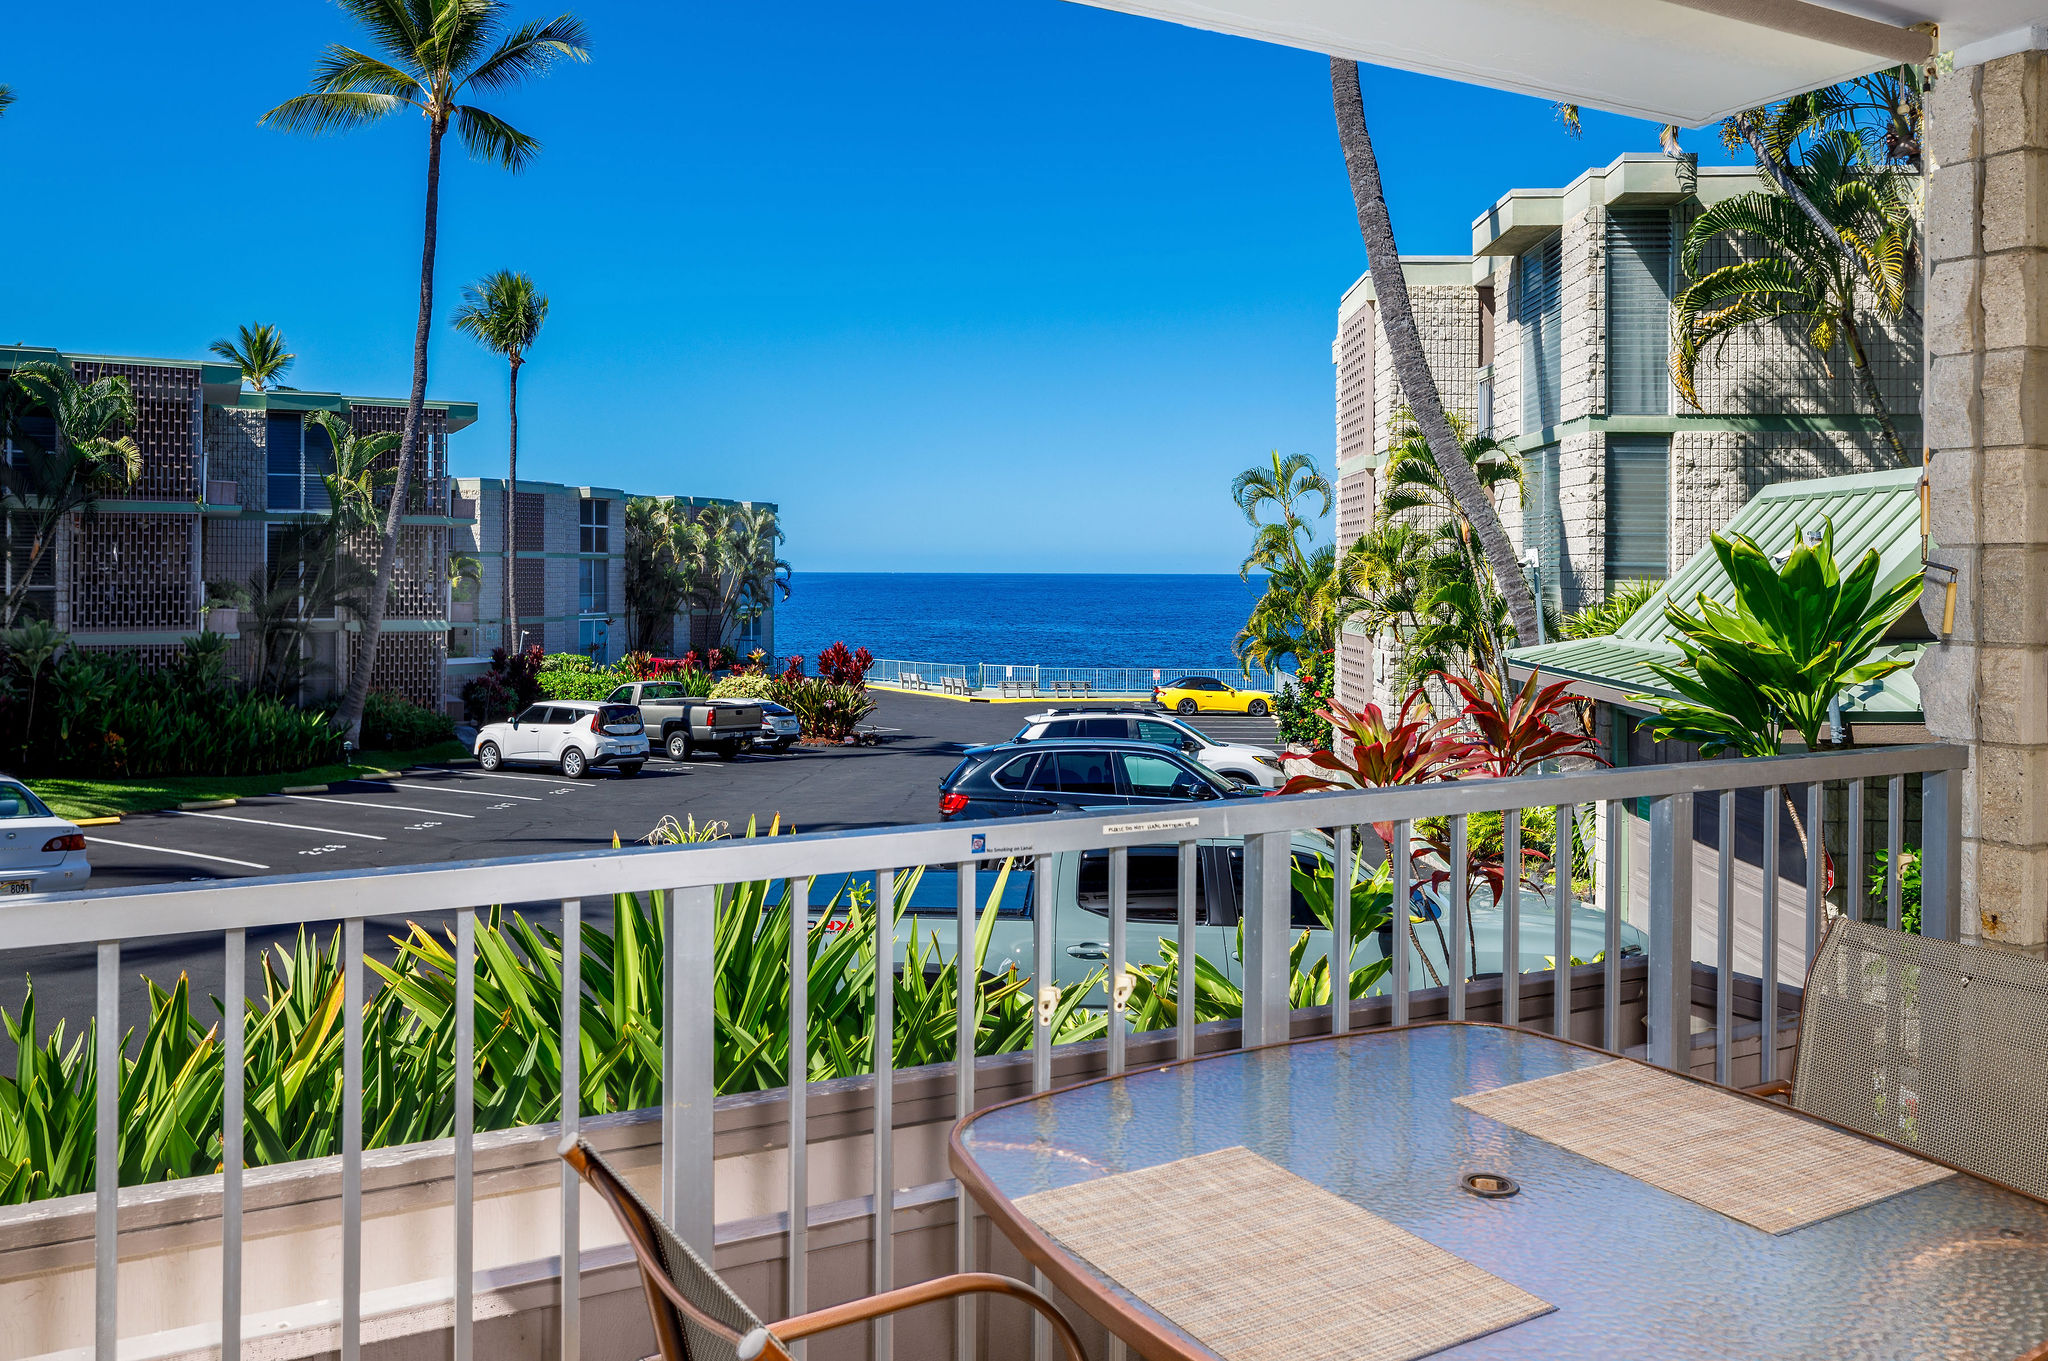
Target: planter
{"points": [[223, 619]]}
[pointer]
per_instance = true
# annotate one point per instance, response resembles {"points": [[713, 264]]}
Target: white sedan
{"points": [[573, 735], [39, 851]]}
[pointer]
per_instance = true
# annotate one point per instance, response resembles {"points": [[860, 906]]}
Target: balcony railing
{"points": [[1689, 981]]}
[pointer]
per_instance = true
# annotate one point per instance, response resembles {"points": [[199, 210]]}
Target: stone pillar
{"points": [[1987, 427]]}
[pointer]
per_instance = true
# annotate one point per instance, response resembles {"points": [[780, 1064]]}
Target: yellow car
{"points": [[1206, 694]]}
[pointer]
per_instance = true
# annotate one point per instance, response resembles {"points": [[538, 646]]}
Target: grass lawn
{"points": [[101, 798]]}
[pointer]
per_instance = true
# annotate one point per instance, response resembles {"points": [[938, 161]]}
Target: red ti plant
{"points": [[842, 667], [1513, 735], [1379, 753], [793, 670]]}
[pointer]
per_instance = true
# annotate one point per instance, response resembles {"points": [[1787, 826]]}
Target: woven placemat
{"points": [[1258, 1265], [1750, 1161]]}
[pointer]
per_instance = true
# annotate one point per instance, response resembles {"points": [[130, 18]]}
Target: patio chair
{"points": [[698, 1318], [1930, 1044]]}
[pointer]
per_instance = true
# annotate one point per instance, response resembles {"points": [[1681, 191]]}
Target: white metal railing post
{"points": [[1941, 853], [234, 987], [966, 971], [1267, 939], [571, 1348], [465, 1133], [106, 1178], [799, 891], [1511, 917], [1669, 1011], [689, 1065], [884, 1064], [1564, 818], [352, 1139]]}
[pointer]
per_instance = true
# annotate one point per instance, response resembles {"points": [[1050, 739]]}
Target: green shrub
{"points": [[565, 661], [744, 685], [569, 683], [825, 711], [64, 711], [394, 724], [1299, 706]]}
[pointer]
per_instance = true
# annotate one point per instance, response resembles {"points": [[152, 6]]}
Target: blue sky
{"points": [[1010, 286]]}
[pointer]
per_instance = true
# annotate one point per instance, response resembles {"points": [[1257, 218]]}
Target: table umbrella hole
{"points": [[1492, 1185]]}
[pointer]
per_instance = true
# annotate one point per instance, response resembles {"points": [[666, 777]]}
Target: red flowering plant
{"points": [[841, 667], [1511, 735], [793, 669], [715, 659], [692, 662], [1377, 753]]}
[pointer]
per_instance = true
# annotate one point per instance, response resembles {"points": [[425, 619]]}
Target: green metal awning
{"points": [[1879, 511]]}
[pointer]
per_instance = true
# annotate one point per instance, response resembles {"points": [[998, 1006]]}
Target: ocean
{"points": [[1047, 619]]}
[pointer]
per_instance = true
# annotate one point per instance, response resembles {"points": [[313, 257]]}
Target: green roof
{"points": [[1879, 511]]}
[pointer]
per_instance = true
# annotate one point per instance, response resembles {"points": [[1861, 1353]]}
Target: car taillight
{"points": [[593, 724], [952, 803], [74, 842]]}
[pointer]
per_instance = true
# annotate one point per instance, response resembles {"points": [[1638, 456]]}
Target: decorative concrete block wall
{"points": [[1987, 427]]}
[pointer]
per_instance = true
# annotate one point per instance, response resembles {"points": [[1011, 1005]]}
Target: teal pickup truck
{"points": [[1076, 891]]}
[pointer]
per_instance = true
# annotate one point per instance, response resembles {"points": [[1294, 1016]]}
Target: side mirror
{"points": [[1190, 745]]}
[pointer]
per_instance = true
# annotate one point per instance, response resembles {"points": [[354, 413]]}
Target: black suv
{"points": [[1028, 779]]}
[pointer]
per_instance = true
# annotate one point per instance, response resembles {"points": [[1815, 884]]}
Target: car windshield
{"points": [[17, 802], [612, 715]]}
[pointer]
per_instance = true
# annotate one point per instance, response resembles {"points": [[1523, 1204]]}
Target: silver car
{"points": [[1239, 762]]}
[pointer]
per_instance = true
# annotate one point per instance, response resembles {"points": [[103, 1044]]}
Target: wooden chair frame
{"points": [[667, 1306]]}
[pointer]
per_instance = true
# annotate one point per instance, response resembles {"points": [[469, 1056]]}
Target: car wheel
{"points": [[1186, 706], [629, 768], [573, 763], [782, 746], [678, 746], [1257, 708], [489, 757]]}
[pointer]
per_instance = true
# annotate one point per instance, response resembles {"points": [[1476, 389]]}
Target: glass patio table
{"points": [[1956, 1267]]}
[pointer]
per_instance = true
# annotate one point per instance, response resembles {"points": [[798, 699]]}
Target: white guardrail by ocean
{"points": [[1030, 678]]}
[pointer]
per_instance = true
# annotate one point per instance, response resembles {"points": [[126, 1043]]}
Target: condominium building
{"points": [[1554, 334], [224, 475], [569, 575]]}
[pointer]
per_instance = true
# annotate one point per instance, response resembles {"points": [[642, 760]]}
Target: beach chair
{"points": [[697, 1317]]}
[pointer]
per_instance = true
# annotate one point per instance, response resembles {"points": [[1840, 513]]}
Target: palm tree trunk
{"points": [[1418, 386], [358, 694], [1782, 176], [511, 495], [1865, 379]]}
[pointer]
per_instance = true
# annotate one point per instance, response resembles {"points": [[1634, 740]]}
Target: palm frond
{"points": [[395, 25], [342, 69], [528, 52], [331, 111], [491, 139]]}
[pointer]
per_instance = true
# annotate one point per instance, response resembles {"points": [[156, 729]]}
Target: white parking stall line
{"points": [[365, 803], [489, 775], [173, 850], [264, 822], [442, 788]]}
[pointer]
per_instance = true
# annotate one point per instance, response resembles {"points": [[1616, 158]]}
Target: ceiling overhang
{"points": [[1688, 62]]}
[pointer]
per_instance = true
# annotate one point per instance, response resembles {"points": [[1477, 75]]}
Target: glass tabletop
{"points": [[1957, 1268]]}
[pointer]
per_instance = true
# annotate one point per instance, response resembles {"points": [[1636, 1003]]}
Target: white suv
{"points": [[1258, 767], [573, 735]]}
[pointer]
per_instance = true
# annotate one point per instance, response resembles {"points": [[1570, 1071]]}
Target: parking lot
{"points": [[435, 815]]}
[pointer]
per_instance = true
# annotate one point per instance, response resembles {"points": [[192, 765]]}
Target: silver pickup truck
{"points": [[686, 725], [1076, 891]]}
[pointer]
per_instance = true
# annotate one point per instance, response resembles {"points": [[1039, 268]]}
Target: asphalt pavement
{"points": [[444, 814]]}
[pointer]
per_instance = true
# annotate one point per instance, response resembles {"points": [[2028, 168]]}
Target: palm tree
{"points": [[660, 568], [1823, 280], [503, 312], [6, 97], [359, 473], [1418, 385], [759, 575], [88, 461], [1290, 615], [260, 355], [434, 51]]}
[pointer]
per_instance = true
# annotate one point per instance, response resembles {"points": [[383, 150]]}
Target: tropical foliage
{"points": [[434, 53], [1514, 734], [503, 312], [1296, 613], [1831, 255], [259, 352], [1602, 617], [718, 560], [1797, 635], [81, 458], [68, 711], [392, 723], [1418, 576], [1299, 706]]}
